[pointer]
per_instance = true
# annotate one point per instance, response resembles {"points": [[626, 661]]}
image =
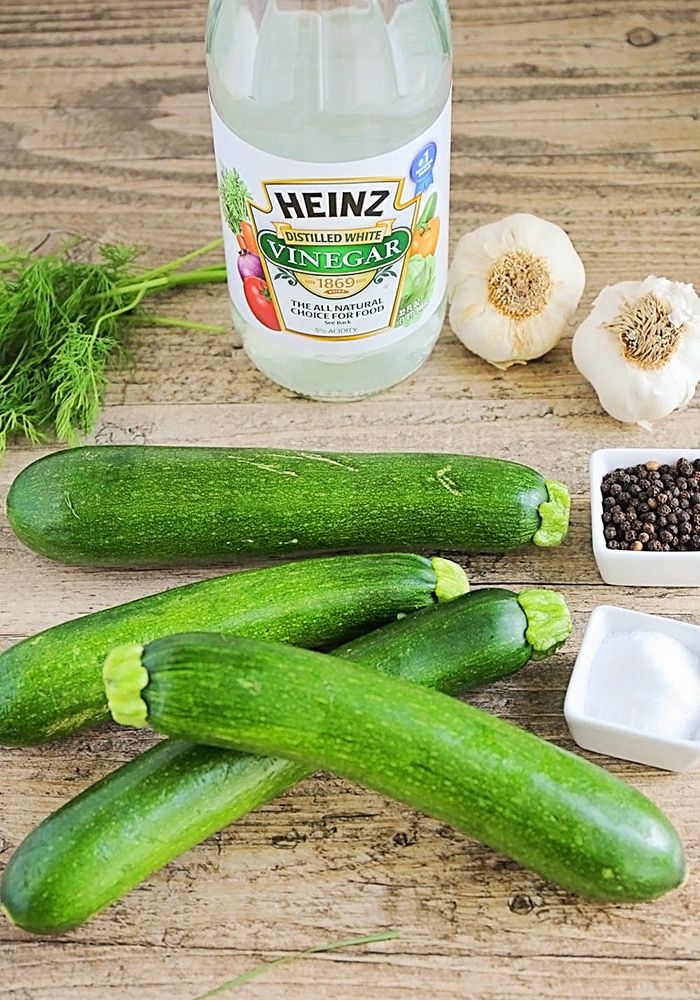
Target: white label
{"points": [[336, 252]]}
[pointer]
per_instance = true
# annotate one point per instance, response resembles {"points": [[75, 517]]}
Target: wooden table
{"points": [[584, 113]]}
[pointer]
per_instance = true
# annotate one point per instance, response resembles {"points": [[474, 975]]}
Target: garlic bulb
{"points": [[640, 348], [513, 286]]}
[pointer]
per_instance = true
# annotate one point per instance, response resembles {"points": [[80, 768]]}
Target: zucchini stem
{"points": [[548, 620], [554, 514], [125, 677], [450, 579]]}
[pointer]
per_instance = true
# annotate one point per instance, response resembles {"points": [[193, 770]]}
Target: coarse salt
{"points": [[648, 682]]}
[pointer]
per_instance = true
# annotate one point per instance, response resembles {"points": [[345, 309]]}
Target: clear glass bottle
{"points": [[331, 124]]}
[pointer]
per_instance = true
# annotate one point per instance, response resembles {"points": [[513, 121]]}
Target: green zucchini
{"points": [[114, 834], [137, 505], [51, 683], [560, 815]]}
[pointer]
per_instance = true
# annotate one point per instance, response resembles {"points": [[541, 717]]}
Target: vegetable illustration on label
{"points": [[234, 199], [234, 196], [324, 243], [427, 232], [335, 252], [248, 237], [422, 271], [249, 265], [417, 289], [258, 298]]}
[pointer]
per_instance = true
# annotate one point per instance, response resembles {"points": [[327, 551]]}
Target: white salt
{"points": [[646, 681]]}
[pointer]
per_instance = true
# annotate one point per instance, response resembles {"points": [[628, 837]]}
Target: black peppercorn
{"points": [[652, 507]]}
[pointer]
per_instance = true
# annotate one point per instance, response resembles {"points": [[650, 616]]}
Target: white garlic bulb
{"points": [[640, 348], [513, 286]]}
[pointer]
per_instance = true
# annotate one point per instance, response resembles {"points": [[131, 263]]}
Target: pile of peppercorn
{"points": [[653, 508]]}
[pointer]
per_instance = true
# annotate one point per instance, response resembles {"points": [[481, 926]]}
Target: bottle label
{"points": [[336, 252]]}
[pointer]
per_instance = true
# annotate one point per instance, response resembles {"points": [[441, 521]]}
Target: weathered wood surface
{"points": [[584, 113]]}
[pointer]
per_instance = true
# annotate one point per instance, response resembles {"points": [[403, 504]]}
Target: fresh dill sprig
{"points": [[64, 321], [260, 970]]}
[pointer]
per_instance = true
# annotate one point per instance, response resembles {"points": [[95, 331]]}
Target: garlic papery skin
{"points": [[513, 287], [640, 348]]}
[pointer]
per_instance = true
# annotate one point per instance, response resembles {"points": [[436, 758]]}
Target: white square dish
{"points": [[621, 741], [637, 569]]}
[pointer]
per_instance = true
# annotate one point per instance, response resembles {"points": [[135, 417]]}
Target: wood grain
{"points": [[584, 113]]}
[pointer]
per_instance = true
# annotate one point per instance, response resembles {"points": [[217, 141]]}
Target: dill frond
{"points": [[63, 323]]}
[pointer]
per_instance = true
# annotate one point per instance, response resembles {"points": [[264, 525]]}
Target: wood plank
{"points": [[98, 973]]}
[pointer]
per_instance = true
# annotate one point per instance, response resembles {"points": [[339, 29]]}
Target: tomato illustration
{"points": [[258, 297], [425, 238]]}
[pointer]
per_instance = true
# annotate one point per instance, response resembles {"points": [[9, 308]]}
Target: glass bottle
{"points": [[331, 123]]}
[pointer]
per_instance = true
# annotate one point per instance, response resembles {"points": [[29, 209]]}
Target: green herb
{"points": [[266, 966], [234, 195], [62, 320]]}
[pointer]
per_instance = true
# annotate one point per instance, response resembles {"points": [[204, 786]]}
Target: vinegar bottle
{"points": [[331, 122]]}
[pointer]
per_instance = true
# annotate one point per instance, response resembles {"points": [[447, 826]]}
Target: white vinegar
{"points": [[331, 130]]}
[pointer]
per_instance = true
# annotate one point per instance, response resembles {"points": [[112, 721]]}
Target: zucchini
{"points": [[565, 818], [135, 505], [51, 683], [114, 834]]}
